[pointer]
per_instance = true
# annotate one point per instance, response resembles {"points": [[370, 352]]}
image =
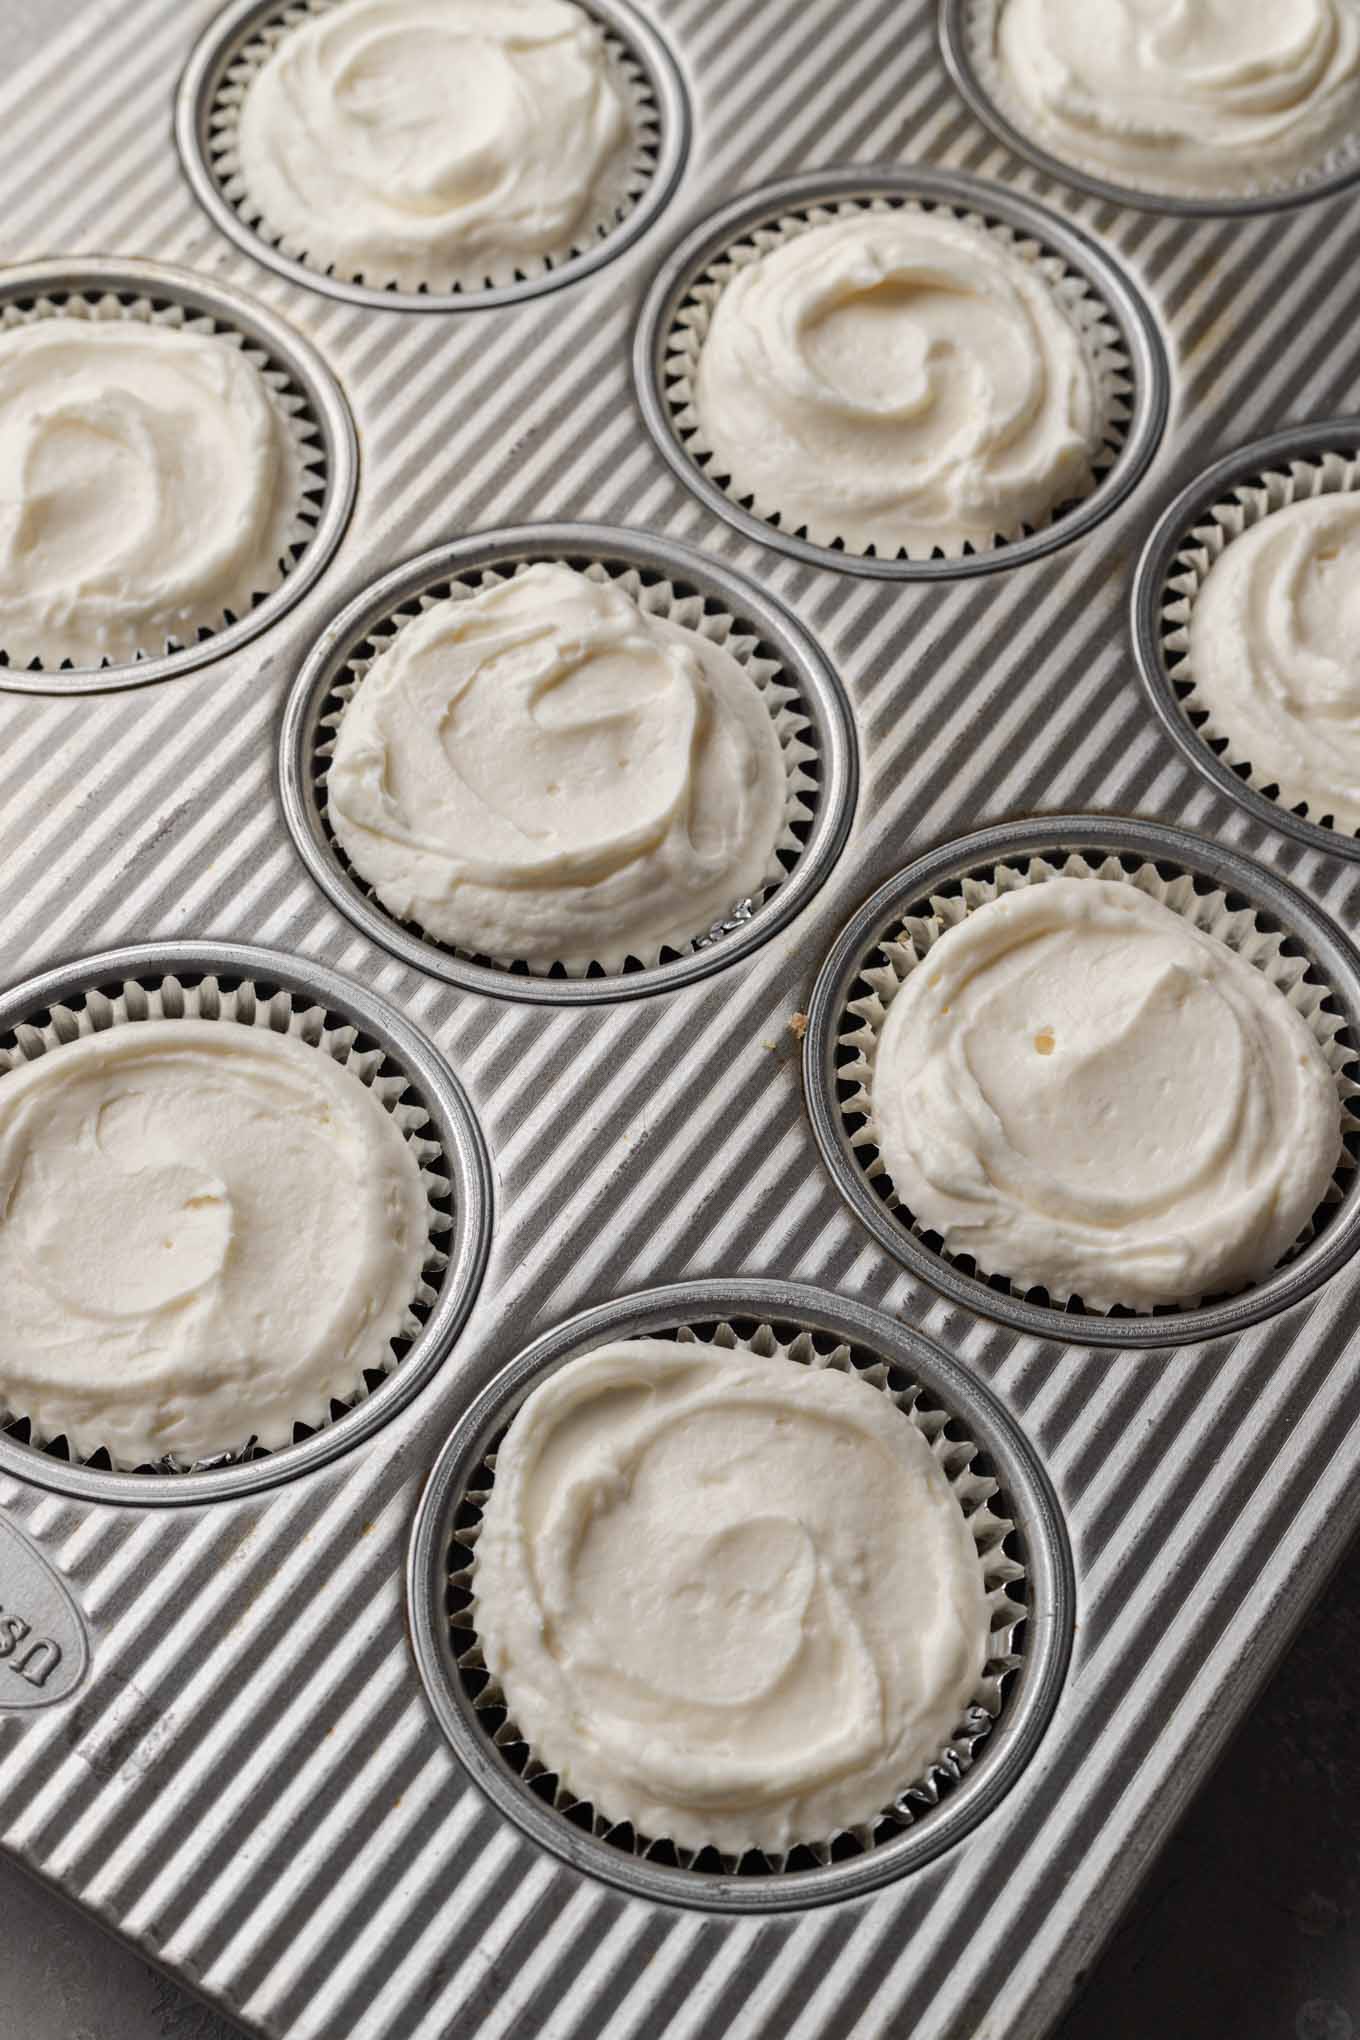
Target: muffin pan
{"points": [[302, 387], [803, 694], [1118, 330], [240, 39], [249, 1779], [1233, 495], [1001, 1488], [1253, 912], [231, 984]]}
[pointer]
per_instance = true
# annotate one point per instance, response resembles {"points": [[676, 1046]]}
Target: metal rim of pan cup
{"points": [[289, 996], [301, 384], [328, 677], [974, 1439], [685, 285], [966, 24], [1309, 946], [213, 83], [1232, 496]]}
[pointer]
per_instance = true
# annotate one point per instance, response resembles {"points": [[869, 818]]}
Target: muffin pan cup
{"points": [[1262, 919], [966, 33], [1118, 331], [1012, 1514], [811, 715], [1237, 493], [229, 984], [322, 447], [241, 38]]}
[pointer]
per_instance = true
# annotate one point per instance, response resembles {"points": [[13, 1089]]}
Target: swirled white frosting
{"points": [[147, 484], [897, 380], [1212, 97], [207, 1231], [545, 772], [1274, 652], [412, 142], [730, 1599], [1082, 1090]]}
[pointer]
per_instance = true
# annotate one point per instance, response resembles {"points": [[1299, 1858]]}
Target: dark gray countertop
{"points": [[1248, 1928], [1249, 1925]]}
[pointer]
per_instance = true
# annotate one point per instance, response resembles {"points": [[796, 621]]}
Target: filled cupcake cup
{"points": [[660, 598], [301, 485], [1099, 335], [243, 1002], [968, 31], [1003, 1576], [1210, 909], [619, 193], [1239, 510]]}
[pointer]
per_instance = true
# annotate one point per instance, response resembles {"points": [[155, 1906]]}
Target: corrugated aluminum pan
{"points": [[247, 1779]]}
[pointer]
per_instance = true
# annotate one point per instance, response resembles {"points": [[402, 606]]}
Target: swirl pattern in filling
{"points": [[897, 380], [1193, 96], [545, 772], [207, 1231], [1084, 1091], [730, 1599], [1274, 652], [147, 484], [414, 142]]}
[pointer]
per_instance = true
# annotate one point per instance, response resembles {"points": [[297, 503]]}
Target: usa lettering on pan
{"points": [[40, 1659]]}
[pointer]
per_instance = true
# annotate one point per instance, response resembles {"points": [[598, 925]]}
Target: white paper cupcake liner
{"points": [[969, 31], [655, 597], [1250, 503], [1099, 333], [228, 1000], [301, 440], [1003, 1577], [616, 199], [1207, 908]]}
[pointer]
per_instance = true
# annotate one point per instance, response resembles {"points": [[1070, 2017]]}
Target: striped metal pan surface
{"points": [[249, 1783]]}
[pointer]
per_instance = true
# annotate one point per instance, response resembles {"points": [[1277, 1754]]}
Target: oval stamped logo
{"points": [[43, 1650]]}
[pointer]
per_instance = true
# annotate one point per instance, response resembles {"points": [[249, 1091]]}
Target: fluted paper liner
{"points": [[1076, 295], [980, 1499], [300, 441], [655, 598], [1249, 504], [897, 954], [614, 200], [241, 1002], [1338, 156]]}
